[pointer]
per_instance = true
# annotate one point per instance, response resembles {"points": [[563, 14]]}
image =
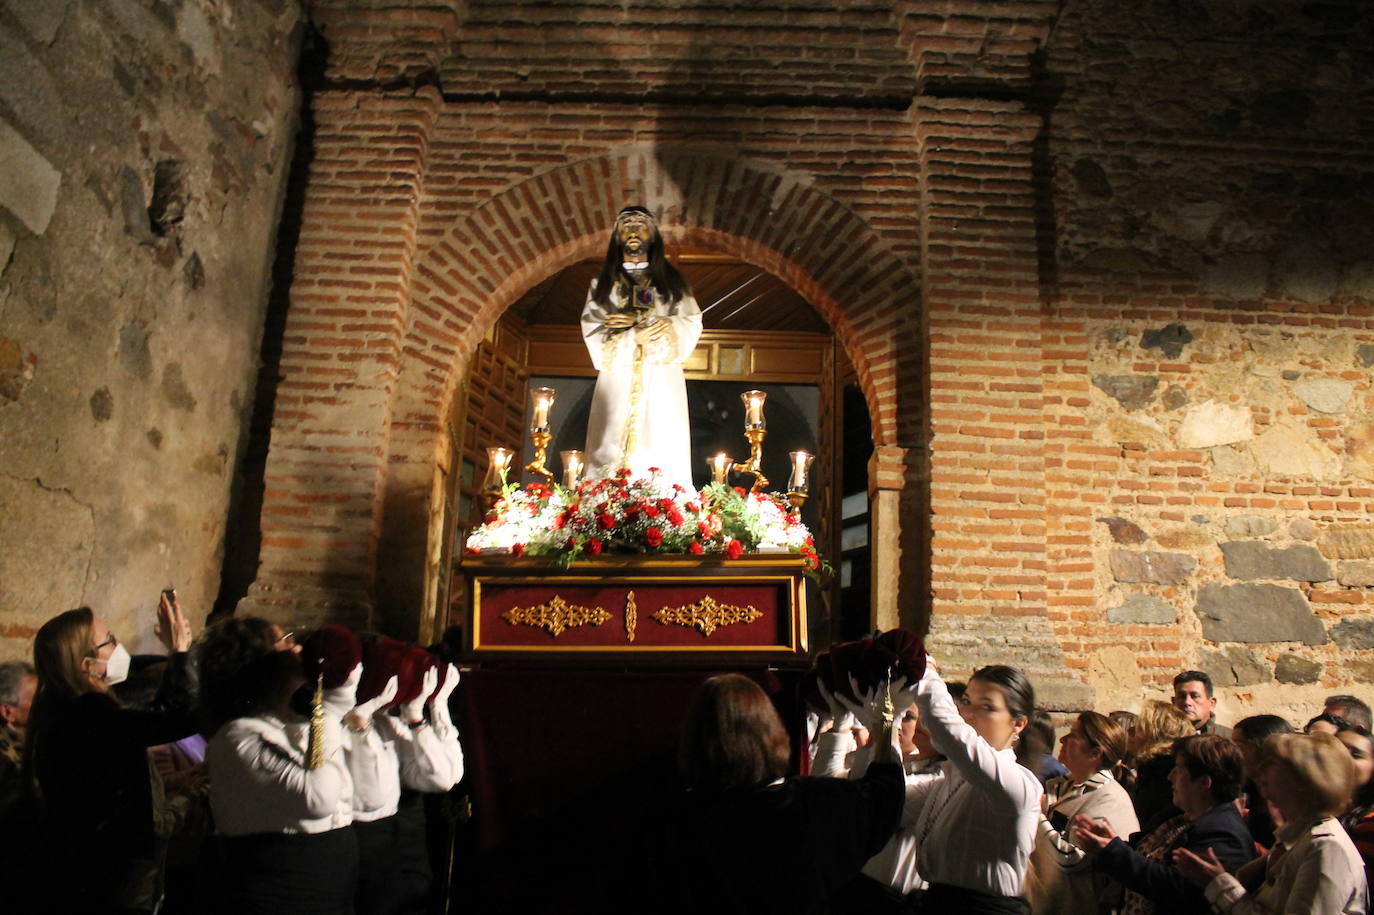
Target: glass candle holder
{"points": [[800, 480], [753, 409], [720, 467], [573, 465], [498, 466], [541, 400]]}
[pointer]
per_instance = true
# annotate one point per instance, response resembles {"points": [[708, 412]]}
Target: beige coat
{"points": [[1060, 879]]}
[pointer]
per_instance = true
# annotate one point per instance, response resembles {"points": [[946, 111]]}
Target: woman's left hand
{"points": [[1196, 869], [172, 629]]}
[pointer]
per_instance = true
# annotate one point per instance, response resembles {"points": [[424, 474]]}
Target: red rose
{"points": [[606, 521], [739, 491], [815, 562], [675, 517], [517, 550], [593, 547], [653, 536], [734, 549], [694, 548]]}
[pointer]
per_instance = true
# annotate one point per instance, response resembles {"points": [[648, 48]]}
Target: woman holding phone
{"points": [[87, 757]]}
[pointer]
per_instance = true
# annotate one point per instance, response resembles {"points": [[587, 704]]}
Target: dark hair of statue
{"points": [[664, 277], [733, 737]]}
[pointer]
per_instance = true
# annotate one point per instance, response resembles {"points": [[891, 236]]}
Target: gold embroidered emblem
{"points": [[707, 615], [555, 616]]}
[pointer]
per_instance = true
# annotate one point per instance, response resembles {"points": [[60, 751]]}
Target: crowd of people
{"points": [[951, 809], [307, 760], [258, 770]]}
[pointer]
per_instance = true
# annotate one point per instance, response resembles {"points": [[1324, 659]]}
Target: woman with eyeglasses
{"points": [[87, 758]]}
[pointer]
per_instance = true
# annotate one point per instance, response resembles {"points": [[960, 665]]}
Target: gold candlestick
{"points": [[541, 444], [754, 466], [541, 400]]}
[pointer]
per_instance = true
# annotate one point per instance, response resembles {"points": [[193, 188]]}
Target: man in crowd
{"points": [[17, 683], [1348, 707], [1193, 696]]}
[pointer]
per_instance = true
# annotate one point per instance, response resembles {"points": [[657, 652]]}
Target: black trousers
{"points": [[393, 871], [957, 900], [313, 874]]}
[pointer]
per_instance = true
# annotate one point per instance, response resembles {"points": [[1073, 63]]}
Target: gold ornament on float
{"points": [[631, 616], [707, 615], [555, 616]]}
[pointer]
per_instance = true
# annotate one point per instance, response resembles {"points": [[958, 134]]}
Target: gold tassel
{"points": [[315, 753]]}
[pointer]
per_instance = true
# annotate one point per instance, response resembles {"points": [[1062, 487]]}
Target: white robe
{"points": [[664, 439]]}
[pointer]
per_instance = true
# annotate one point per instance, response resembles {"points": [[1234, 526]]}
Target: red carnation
{"points": [[739, 491], [674, 517], [517, 550], [606, 521], [703, 530], [623, 472], [692, 507], [593, 547], [677, 488], [653, 536], [653, 470], [665, 504], [558, 521], [694, 548], [651, 511], [473, 551], [734, 549]]}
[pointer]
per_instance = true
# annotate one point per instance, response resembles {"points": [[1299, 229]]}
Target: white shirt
{"points": [[427, 762], [259, 782], [976, 820], [376, 773]]}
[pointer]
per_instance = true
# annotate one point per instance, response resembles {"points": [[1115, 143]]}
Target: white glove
{"points": [[341, 699], [871, 712], [414, 710], [438, 707], [360, 719], [841, 713]]}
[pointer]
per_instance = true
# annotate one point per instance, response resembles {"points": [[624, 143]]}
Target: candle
{"points": [[541, 400], [801, 471], [720, 465], [572, 468], [753, 409], [498, 465]]}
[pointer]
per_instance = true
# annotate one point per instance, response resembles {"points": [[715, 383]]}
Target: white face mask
{"points": [[117, 666]]}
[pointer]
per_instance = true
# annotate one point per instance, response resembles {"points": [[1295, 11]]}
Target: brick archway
{"points": [[465, 278]]}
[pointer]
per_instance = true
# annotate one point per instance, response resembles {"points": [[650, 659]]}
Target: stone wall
{"points": [[143, 147]]}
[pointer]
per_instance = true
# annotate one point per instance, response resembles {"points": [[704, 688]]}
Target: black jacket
{"points": [[1220, 829]]}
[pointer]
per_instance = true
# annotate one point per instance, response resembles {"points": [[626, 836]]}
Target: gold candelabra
{"points": [[754, 466], [754, 429]]}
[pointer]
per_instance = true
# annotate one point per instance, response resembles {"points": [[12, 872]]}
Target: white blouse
{"points": [[259, 782], [975, 822], [426, 760]]}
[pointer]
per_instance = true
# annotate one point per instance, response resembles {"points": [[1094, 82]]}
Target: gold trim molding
{"points": [[631, 616], [707, 615], [555, 616]]}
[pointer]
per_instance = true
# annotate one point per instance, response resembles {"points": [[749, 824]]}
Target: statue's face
{"points": [[635, 230]]}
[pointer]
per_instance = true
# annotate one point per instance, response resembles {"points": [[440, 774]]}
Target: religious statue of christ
{"points": [[640, 324]]}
